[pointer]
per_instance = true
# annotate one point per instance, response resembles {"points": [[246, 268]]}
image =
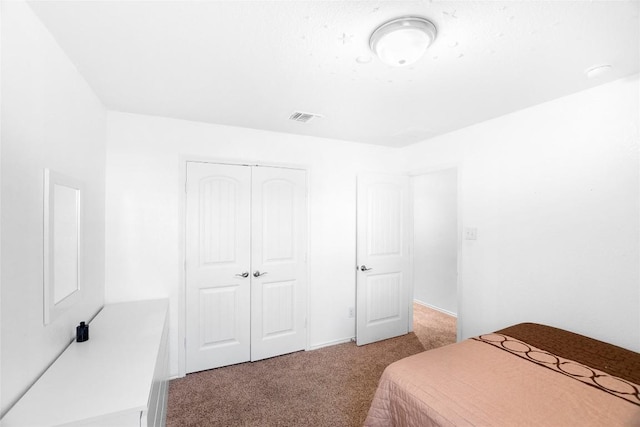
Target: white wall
{"points": [[144, 159], [0, 208], [553, 191], [50, 118], [435, 239]]}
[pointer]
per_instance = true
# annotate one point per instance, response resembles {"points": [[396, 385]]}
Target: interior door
{"points": [[279, 230], [383, 262], [217, 265]]}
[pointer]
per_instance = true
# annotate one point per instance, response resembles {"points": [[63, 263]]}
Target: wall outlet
{"points": [[352, 312], [471, 233]]}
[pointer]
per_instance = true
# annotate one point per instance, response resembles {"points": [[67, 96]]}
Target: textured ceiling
{"points": [[253, 63]]}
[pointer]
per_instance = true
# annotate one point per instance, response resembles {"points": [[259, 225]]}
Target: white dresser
{"points": [[117, 378]]}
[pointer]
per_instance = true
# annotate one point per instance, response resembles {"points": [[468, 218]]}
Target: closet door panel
{"points": [[217, 255], [279, 239]]}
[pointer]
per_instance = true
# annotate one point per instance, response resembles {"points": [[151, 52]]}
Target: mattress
{"points": [[527, 374]]}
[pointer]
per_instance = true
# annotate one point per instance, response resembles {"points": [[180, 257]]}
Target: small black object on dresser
{"points": [[82, 332]]}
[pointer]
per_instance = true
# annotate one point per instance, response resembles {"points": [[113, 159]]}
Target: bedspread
{"points": [[496, 379]]}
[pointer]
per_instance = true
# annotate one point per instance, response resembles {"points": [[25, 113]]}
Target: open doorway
{"points": [[435, 257]]}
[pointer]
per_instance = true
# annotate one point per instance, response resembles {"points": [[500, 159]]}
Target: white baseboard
{"points": [[330, 343], [433, 307]]}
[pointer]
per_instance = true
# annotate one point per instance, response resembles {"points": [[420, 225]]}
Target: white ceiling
{"points": [[253, 63]]}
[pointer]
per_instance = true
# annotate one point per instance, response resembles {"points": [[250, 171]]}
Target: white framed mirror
{"points": [[62, 238]]}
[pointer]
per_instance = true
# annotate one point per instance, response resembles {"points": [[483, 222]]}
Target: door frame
{"points": [[182, 243], [459, 237]]}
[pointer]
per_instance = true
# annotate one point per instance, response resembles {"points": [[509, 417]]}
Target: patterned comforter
{"points": [[527, 374]]}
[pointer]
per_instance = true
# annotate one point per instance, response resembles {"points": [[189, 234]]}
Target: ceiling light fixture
{"points": [[402, 41]]}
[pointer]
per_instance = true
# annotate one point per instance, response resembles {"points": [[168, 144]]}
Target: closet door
{"points": [[218, 265], [279, 229]]}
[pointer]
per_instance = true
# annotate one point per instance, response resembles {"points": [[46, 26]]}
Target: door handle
{"points": [[364, 268], [258, 274], [245, 274]]}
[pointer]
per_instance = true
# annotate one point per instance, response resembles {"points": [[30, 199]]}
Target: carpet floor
{"points": [[332, 386], [433, 328]]}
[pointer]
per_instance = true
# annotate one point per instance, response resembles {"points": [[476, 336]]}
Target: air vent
{"points": [[303, 117]]}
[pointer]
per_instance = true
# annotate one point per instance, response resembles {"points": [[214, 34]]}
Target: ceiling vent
{"points": [[303, 117]]}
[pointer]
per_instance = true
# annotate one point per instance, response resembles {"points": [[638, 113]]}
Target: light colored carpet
{"points": [[433, 328], [332, 386]]}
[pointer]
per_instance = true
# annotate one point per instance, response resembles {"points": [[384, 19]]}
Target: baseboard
{"points": [[330, 343], [433, 307]]}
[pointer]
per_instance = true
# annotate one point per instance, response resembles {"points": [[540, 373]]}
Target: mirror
{"points": [[62, 237]]}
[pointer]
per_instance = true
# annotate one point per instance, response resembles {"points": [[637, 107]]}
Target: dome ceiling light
{"points": [[402, 41]]}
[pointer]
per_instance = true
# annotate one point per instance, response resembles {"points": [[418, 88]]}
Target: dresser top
{"points": [[110, 373]]}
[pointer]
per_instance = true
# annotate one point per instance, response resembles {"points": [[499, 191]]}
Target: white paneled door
{"points": [[218, 263], [245, 263], [383, 261], [278, 252]]}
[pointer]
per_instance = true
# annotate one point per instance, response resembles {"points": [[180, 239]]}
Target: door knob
{"points": [[245, 274], [364, 268], [258, 274]]}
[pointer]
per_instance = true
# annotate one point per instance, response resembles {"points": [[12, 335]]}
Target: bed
{"points": [[527, 374]]}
